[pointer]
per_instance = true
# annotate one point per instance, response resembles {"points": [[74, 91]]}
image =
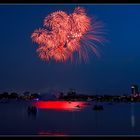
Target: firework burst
{"points": [[65, 34]]}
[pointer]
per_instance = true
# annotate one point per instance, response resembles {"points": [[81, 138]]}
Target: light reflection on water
{"points": [[60, 105], [51, 133], [63, 118], [132, 116]]}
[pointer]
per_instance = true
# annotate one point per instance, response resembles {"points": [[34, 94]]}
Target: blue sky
{"points": [[113, 73]]}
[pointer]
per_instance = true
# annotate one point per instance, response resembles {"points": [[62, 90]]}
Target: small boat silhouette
{"points": [[78, 106]]}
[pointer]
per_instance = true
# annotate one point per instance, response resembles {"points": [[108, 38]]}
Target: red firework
{"points": [[64, 34]]}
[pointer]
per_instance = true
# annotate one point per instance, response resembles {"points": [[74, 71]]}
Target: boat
{"points": [[78, 106]]}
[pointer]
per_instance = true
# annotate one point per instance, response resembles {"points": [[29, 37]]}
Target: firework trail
{"points": [[64, 34]]}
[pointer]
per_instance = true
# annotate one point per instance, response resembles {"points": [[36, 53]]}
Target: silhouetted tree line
{"points": [[72, 96], [14, 95]]}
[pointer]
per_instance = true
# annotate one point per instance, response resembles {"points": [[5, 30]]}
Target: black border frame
{"points": [[13, 2]]}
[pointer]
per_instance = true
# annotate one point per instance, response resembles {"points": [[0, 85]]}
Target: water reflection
{"points": [[58, 123], [60, 105], [96, 120], [132, 116], [32, 111], [51, 133]]}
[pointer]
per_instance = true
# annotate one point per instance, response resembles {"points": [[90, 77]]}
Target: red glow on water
{"points": [[59, 105], [51, 134]]}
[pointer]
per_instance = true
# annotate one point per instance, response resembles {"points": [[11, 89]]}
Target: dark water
{"points": [[115, 119]]}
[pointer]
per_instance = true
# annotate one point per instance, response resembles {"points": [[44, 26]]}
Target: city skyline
{"points": [[113, 73]]}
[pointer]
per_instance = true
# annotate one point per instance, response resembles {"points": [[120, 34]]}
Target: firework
{"points": [[65, 34]]}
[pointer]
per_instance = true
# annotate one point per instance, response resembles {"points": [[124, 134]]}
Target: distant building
{"points": [[72, 92], [134, 91]]}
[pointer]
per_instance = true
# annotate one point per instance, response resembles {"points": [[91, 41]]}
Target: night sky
{"points": [[113, 73]]}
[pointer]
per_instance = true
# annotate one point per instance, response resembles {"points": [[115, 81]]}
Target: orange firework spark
{"points": [[64, 34]]}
